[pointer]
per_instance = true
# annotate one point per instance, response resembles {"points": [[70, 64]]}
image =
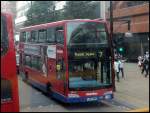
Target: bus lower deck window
{"points": [[6, 90]]}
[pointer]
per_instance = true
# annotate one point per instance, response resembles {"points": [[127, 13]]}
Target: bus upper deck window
{"points": [[34, 36], [23, 37], [28, 36], [59, 33], [42, 35], [50, 35]]}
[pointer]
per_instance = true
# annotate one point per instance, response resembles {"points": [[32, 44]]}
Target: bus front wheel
{"points": [[48, 88]]}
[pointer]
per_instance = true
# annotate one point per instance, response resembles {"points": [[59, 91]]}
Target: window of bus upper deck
{"points": [[25, 36], [42, 35], [86, 33], [4, 36], [59, 34]]}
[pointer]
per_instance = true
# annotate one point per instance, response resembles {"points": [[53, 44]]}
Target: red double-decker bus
{"points": [[69, 59], [9, 83]]}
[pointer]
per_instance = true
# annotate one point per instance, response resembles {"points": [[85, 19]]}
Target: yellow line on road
{"points": [[146, 109]]}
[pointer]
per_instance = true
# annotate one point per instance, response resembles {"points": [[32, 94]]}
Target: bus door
{"points": [[60, 64], [60, 70]]}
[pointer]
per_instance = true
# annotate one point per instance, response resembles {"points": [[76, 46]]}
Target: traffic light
{"points": [[121, 49], [120, 45]]}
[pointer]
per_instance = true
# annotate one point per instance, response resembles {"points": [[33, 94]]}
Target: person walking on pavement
{"points": [[121, 61], [140, 62], [146, 64], [116, 65]]}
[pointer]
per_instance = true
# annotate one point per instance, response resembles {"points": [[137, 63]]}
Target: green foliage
{"points": [[79, 10], [44, 11], [40, 12]]}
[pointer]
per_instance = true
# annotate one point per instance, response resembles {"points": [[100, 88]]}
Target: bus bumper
{"points": [[82, 99]]}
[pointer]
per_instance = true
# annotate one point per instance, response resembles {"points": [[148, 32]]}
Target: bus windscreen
{"points": [[86, 33], [89, 56]]}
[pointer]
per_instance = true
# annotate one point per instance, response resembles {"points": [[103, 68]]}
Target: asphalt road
{"points": [[33, 100]]}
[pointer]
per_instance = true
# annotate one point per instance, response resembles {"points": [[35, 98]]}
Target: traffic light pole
{"points": [[111, 36]]}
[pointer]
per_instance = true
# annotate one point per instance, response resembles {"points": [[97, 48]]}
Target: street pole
{"points": [[111, 36], [102, 9], [31, 10]]}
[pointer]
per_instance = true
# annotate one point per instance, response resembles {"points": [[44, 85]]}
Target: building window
{"points": [[19, 14], [135, 3]]}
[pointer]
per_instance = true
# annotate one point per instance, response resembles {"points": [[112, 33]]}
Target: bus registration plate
{"points": [[92, 99]]}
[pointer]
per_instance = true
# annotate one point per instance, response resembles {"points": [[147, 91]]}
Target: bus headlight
{"points": [[108, 96]]}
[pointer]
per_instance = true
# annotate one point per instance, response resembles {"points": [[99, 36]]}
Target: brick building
{"points": [[138, 14]]}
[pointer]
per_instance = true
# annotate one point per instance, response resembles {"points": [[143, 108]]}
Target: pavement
{"points": [[134, 89], [131, 93]]}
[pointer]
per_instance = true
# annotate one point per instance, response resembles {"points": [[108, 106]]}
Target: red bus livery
{"points": [[9, 83], [70, 59]]}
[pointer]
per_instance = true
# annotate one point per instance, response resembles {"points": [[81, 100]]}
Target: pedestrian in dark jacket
{"points": [[145, 65]]}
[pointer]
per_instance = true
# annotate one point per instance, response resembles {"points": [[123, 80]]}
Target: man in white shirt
{"points": [[121, 67], [116, 65]]}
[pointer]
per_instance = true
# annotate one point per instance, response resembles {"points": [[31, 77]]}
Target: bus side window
{"points": [[36, 63], [28, 37], [50, 35], [34, 36], [6, 90], [59, 33], [42, 35], [4, 35], [23, 37], [28, 60]]}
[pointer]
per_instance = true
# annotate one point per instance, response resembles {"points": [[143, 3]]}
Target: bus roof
{"points": [[45, 25]]}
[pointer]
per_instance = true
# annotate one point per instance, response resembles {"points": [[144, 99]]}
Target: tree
{"points": [[40, 12], [79, 9]]}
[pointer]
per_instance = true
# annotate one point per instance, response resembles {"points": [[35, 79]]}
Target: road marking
{"points": [[121, 104], [146, 109]]}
